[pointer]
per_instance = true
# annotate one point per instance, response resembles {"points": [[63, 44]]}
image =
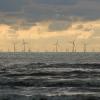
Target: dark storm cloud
{"points": [[33, 11]]}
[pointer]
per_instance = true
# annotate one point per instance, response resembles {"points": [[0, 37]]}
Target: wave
{"points": [[39, 97], [49, 81]]}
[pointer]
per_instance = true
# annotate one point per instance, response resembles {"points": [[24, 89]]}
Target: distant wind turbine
{"points": [[24, 45], [73, 46], [29, 50], [14, 43], [14, 46], [8, 50], [67, 50], [56, 46], [85, 47]]}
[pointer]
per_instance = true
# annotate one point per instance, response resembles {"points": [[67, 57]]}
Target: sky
{"points": [[41, 23]]}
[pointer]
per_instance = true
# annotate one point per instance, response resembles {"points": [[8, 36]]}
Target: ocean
{"points": [[49, 76]]}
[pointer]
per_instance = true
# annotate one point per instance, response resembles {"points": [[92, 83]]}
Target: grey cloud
{"points": [[94, 0], [80, 27], [84, 28], [56, 2], [59, 26], [11, 5], [41, 10], [24, 26]]}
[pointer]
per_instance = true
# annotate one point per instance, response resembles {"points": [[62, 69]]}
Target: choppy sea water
{"points": [[49, 76]]}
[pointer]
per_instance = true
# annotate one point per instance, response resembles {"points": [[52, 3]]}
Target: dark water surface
{"points": [[50, 76]]}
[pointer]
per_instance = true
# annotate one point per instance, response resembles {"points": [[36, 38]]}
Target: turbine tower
{"points": [[73, 46], [85, 47], [24, 45], [14, 47], [56, 46]]}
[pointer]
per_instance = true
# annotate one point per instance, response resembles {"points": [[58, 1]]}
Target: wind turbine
{"points": [[8, 50], [73, 46], [84, 47], [67, 50], [29, 49], [24, 45], [14, 43], [14, 47], [56, 46]]}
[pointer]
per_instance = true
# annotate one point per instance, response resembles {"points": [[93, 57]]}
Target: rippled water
{"points": [[50, 76]]}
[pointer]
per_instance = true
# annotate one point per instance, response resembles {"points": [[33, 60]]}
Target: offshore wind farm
{"points": [[49, 49]]}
